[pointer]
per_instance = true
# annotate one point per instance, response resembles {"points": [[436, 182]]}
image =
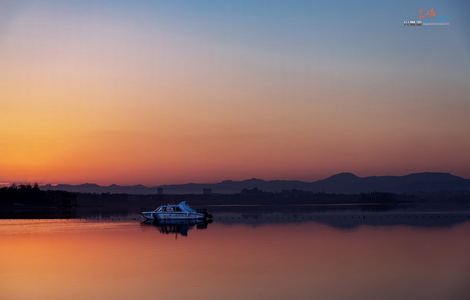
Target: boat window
{"points": [[177, 208], [163, 209]]}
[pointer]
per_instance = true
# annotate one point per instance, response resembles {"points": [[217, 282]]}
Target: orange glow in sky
{"points": [[124, 97]]}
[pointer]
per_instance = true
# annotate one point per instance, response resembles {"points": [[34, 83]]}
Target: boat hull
{"points": [[172, 216]]}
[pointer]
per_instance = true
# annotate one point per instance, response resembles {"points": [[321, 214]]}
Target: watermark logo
{"points": [[428, 17]]}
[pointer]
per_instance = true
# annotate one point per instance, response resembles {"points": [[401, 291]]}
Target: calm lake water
{"points": [[85, 259]]}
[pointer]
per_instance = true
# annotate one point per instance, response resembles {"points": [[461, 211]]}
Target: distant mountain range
{"points": [[346, 183]]}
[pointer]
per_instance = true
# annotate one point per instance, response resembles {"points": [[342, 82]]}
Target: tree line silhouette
{"points": [[31, 195]]}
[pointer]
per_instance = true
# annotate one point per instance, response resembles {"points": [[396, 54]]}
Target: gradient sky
{"points": [[173, 91]]}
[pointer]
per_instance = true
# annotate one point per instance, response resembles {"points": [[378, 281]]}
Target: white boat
{"points": [[180, 211]]}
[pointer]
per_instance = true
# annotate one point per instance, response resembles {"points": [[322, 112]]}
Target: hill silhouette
{"points": [[347, 183]]}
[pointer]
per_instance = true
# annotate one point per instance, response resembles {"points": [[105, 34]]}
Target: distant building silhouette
{"points": [[207, 191], [160, 190]]}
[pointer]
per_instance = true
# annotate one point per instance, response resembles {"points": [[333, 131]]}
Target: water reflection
{"points": [[340, 220], [350, 220], [96, 259], [178, 227]]}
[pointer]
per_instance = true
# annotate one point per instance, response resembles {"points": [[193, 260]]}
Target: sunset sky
{"points": [[157, 92]]}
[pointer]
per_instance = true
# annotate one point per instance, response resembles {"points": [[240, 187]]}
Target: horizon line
{"points": [[3, 184]]}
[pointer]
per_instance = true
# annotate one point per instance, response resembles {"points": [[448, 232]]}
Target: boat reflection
{"points": [[178, 227]]}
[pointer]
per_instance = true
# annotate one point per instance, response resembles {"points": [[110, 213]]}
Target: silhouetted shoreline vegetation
{"points": [[33, 196], [30, 199]]}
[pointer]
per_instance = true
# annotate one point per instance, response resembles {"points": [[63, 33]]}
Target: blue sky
{"points": [[231, 89]]}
